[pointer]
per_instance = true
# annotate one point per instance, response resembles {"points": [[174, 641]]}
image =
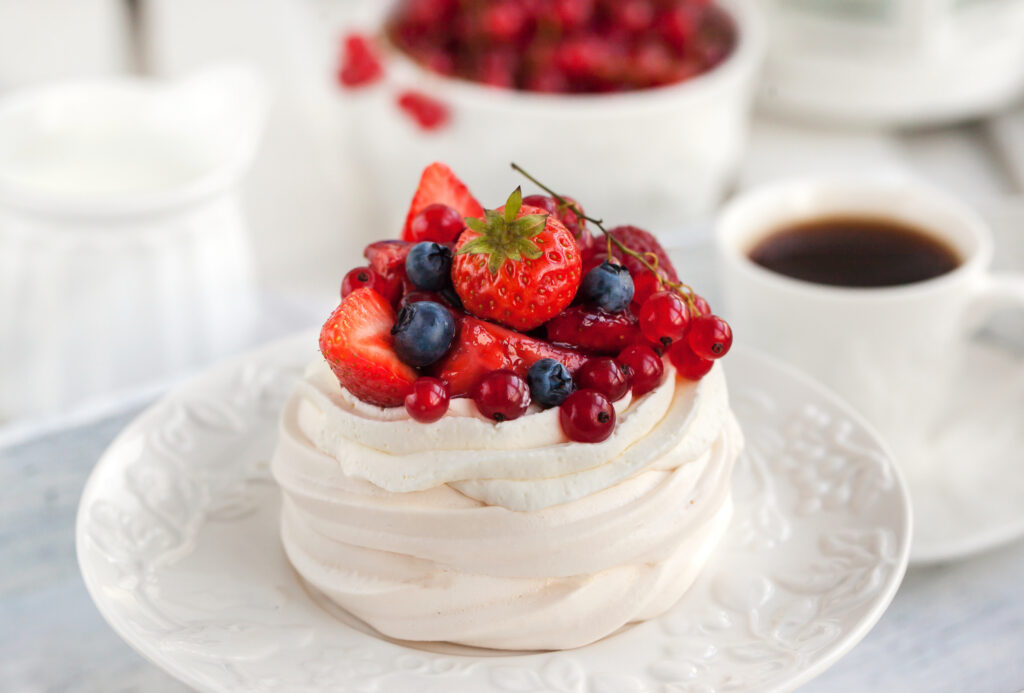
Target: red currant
{"points": [[428, 400], [503, 21], [438, 223], [646, 366], [587, 416], [710, 337], [687, 363], [701, 304], [605, 375], [501, 395], [633, 15], [664, 318], [363, 277]]}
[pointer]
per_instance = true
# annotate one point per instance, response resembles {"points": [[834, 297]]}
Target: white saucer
{"points": [[178, 545], [968, 490]]}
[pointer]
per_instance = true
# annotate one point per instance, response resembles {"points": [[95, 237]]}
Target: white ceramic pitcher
{"points": [[124, 256]]}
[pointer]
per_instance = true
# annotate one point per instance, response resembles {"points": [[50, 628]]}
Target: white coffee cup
{"points": [[892, 352]]}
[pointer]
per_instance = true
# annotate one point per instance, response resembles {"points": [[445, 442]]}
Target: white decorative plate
{"points": [[178, 544]]}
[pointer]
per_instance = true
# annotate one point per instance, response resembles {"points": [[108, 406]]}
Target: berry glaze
{"points": [[493, 307], [564, 46]]}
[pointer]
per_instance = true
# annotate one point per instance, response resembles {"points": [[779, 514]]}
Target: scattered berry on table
{"points": [[586, 416], [356, 341], [360, 65], [646, 367], [607, 376], [427, 112], [429, 266], [428, 401], [422, 333], [709, 336], [608, 286], [664, 318], [550, 383], [501, 395]]}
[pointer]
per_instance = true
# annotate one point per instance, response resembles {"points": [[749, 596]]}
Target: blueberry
{"points": [[423, 332], [608, 286], [550, 383], [429, 266]]}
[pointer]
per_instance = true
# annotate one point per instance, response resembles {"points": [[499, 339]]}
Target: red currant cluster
{"points": [[564, 46]]}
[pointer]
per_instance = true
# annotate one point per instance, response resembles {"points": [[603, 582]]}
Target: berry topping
{"points": [[646, 366], [362, 278], [501, 395], [438, 185], [428, 113], [357, 343], [437, 222], [687, 363], [387, 259], [608, 286], [423, 333], [517, 265], [429, 266], [567, 215], [587, 416], [664, 318], [359, 63], [481, 346], [642, 242], [428, 400], [607, 376], [709, 336], [593, 329], [645, 285], [550, 383], [701, 306]]}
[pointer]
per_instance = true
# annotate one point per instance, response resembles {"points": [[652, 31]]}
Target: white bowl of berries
{"points": [[643, 104]]}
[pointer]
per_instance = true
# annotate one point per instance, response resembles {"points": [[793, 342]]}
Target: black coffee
{"points": [[856, 252]]}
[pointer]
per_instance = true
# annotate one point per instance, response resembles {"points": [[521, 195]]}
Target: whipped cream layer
{"points": [[504, 535]]}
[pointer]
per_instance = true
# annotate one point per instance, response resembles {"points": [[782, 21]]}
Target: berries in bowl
{"points": [[584, 86], [498, 409]]}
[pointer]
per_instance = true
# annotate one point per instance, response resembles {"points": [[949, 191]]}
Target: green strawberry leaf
{"points": [[503, 236]]}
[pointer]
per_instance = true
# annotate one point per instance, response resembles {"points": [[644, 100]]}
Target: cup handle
{"points": [[1002, 289]]}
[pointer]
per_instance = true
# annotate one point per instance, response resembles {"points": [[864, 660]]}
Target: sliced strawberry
{"points": [[593, 329], [481, 347], [642, 242], [356, 341], [438, 185]]}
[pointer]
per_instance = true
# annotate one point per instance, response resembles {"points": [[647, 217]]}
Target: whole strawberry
{"points": [[516, 266]]}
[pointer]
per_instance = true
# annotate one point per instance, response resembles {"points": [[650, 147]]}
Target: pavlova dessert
{"points": [[517, 437]]}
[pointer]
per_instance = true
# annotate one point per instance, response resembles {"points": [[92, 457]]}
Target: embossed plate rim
{"points": [[290, 350]]}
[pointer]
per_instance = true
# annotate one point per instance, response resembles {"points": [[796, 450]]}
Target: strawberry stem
{"points": [[648, 260]]}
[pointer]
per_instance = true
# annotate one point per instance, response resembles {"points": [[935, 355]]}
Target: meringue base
{"points": [[409, 597]]}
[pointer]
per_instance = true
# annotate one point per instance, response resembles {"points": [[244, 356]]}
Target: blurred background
{"points": [[150, 229]]}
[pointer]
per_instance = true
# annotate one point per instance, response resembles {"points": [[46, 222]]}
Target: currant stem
{"points": [[679, 287]]}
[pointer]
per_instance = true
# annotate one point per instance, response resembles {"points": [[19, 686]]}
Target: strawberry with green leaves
{"points": [[517, 265]]}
